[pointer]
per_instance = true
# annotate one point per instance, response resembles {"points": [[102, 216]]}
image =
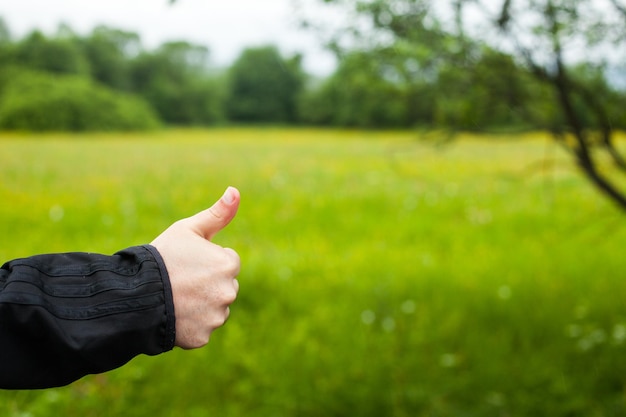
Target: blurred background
{"points": [[432, 195]]}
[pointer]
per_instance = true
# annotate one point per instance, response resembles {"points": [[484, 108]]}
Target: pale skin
{"points": [[203, 274]]}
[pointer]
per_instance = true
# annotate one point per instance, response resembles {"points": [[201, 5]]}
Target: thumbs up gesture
{"points": [[202, 274]]}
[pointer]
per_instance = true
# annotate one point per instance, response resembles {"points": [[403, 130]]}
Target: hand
{"points": [[202, 274]]}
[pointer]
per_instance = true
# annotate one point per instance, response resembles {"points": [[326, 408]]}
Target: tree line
{"points": [[107, 80]]}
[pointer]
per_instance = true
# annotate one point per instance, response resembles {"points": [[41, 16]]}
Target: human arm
{"points": [[63, 316]]}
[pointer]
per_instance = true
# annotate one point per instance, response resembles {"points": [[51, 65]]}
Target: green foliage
{"points": [[174, 80], [400, 64], [109, 52], [485, 88], [593, 87], [264, 87], [5, 33], [57, 55], [357, 95], [472, 73], [42, 101], [380, 276], [453, 84]]}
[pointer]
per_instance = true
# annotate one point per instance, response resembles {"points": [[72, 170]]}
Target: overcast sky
{"points": [[224, 26]]}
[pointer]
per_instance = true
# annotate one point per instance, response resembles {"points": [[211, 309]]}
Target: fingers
{"points": [[233, 266], [233, 261], [230, 293], [209, 222]]}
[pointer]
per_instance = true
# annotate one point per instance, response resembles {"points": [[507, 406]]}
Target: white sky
{"points": [[226, 26]]}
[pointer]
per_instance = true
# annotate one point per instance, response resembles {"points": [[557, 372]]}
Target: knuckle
{"points": [[230, 297], [234, 256], [202, 340], [232, 262], [227, 294], [219, 321], [193, 339]]}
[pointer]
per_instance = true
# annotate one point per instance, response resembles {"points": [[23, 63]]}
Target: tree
{"points": [[264, 87], [109, 52], [6, 48], [448, 79], [176, 80], [5, 32], [356, 96], [579, 85], [566, 46], [60, 55]]}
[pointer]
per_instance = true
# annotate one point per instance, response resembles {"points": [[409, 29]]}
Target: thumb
{"points": [[210, 221]]}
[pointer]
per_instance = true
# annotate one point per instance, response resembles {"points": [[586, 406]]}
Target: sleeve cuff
{"points": [[169, 338]]}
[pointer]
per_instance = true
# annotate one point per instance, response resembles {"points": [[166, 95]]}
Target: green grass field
{"points": [[381, 276]]}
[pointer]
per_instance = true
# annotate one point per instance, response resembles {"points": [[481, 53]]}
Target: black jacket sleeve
{"points": [[64, 316]]}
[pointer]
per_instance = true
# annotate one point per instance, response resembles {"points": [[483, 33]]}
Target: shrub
{"points": [[40, 102]]}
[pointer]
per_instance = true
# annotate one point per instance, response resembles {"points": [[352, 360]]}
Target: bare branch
{"points": [[505, 14], [620, 8]]}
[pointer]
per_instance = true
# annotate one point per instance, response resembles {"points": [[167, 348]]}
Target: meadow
{"points": [[382, 275]]}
